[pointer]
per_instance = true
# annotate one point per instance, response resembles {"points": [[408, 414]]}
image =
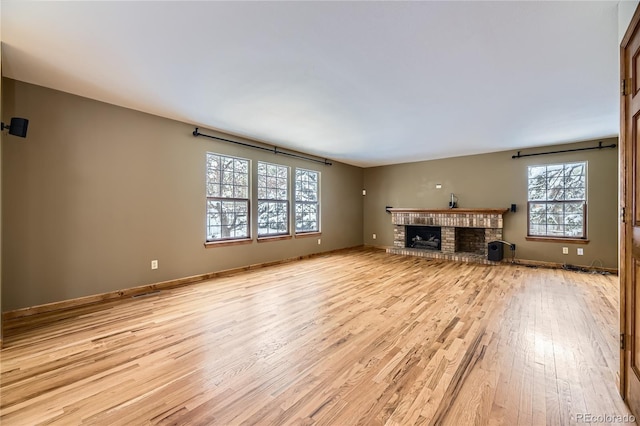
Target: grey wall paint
{"points": [[496, 181], [97, 191]]}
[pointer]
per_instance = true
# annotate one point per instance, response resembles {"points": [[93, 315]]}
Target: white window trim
{"points": [[227, 199]]}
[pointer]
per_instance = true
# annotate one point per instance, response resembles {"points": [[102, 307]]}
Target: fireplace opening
{"points": [[423, 237]]}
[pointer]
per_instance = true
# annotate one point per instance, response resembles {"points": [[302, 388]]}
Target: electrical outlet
{"points": [[374, 236], [319, 241], [154, 264], [438, 186], [565, 250], [580, 252], [364, 192]]}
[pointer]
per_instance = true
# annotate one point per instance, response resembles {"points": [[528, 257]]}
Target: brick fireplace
{"points": [[464, 233]]}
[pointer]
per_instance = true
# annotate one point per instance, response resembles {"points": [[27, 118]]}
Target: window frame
{"points": [[209, 198], [297, 203], [286, 202], [547, 201]]}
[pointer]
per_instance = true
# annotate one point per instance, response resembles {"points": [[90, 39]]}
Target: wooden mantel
{"points": [[448, 211]]}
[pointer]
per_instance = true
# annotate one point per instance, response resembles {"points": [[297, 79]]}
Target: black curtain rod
{"points": [[600, 146], [273, 150]]}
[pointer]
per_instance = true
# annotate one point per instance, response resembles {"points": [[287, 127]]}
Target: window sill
{"points": [[211, 244], [308, 234], [274, 238], [558, 240]]}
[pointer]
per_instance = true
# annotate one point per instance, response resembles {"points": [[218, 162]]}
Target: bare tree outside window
{"points": [[273, 199], [227, 197], [557, 197], [307, 201]]}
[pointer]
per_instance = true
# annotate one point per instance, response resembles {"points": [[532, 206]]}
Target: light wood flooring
{"points": [[357, 337]]}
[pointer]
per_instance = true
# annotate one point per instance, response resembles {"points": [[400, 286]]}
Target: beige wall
{"points": [[96, 192], [497, 180]]}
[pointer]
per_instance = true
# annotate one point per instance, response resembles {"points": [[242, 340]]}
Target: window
{"points": [[227, 197], [273, 199], [558, 200], [307, 201]]}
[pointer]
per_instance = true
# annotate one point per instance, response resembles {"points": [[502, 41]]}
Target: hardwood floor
{"points": [[359, 337]]}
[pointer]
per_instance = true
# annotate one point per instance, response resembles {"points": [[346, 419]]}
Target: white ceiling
{"points": [[366, 83]]}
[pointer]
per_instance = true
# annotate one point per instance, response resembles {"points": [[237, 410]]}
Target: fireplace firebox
{"points": [[424, 237]]}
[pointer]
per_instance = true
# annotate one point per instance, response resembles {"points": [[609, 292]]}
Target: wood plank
{"points": [[149, 288], [354, 337]]}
